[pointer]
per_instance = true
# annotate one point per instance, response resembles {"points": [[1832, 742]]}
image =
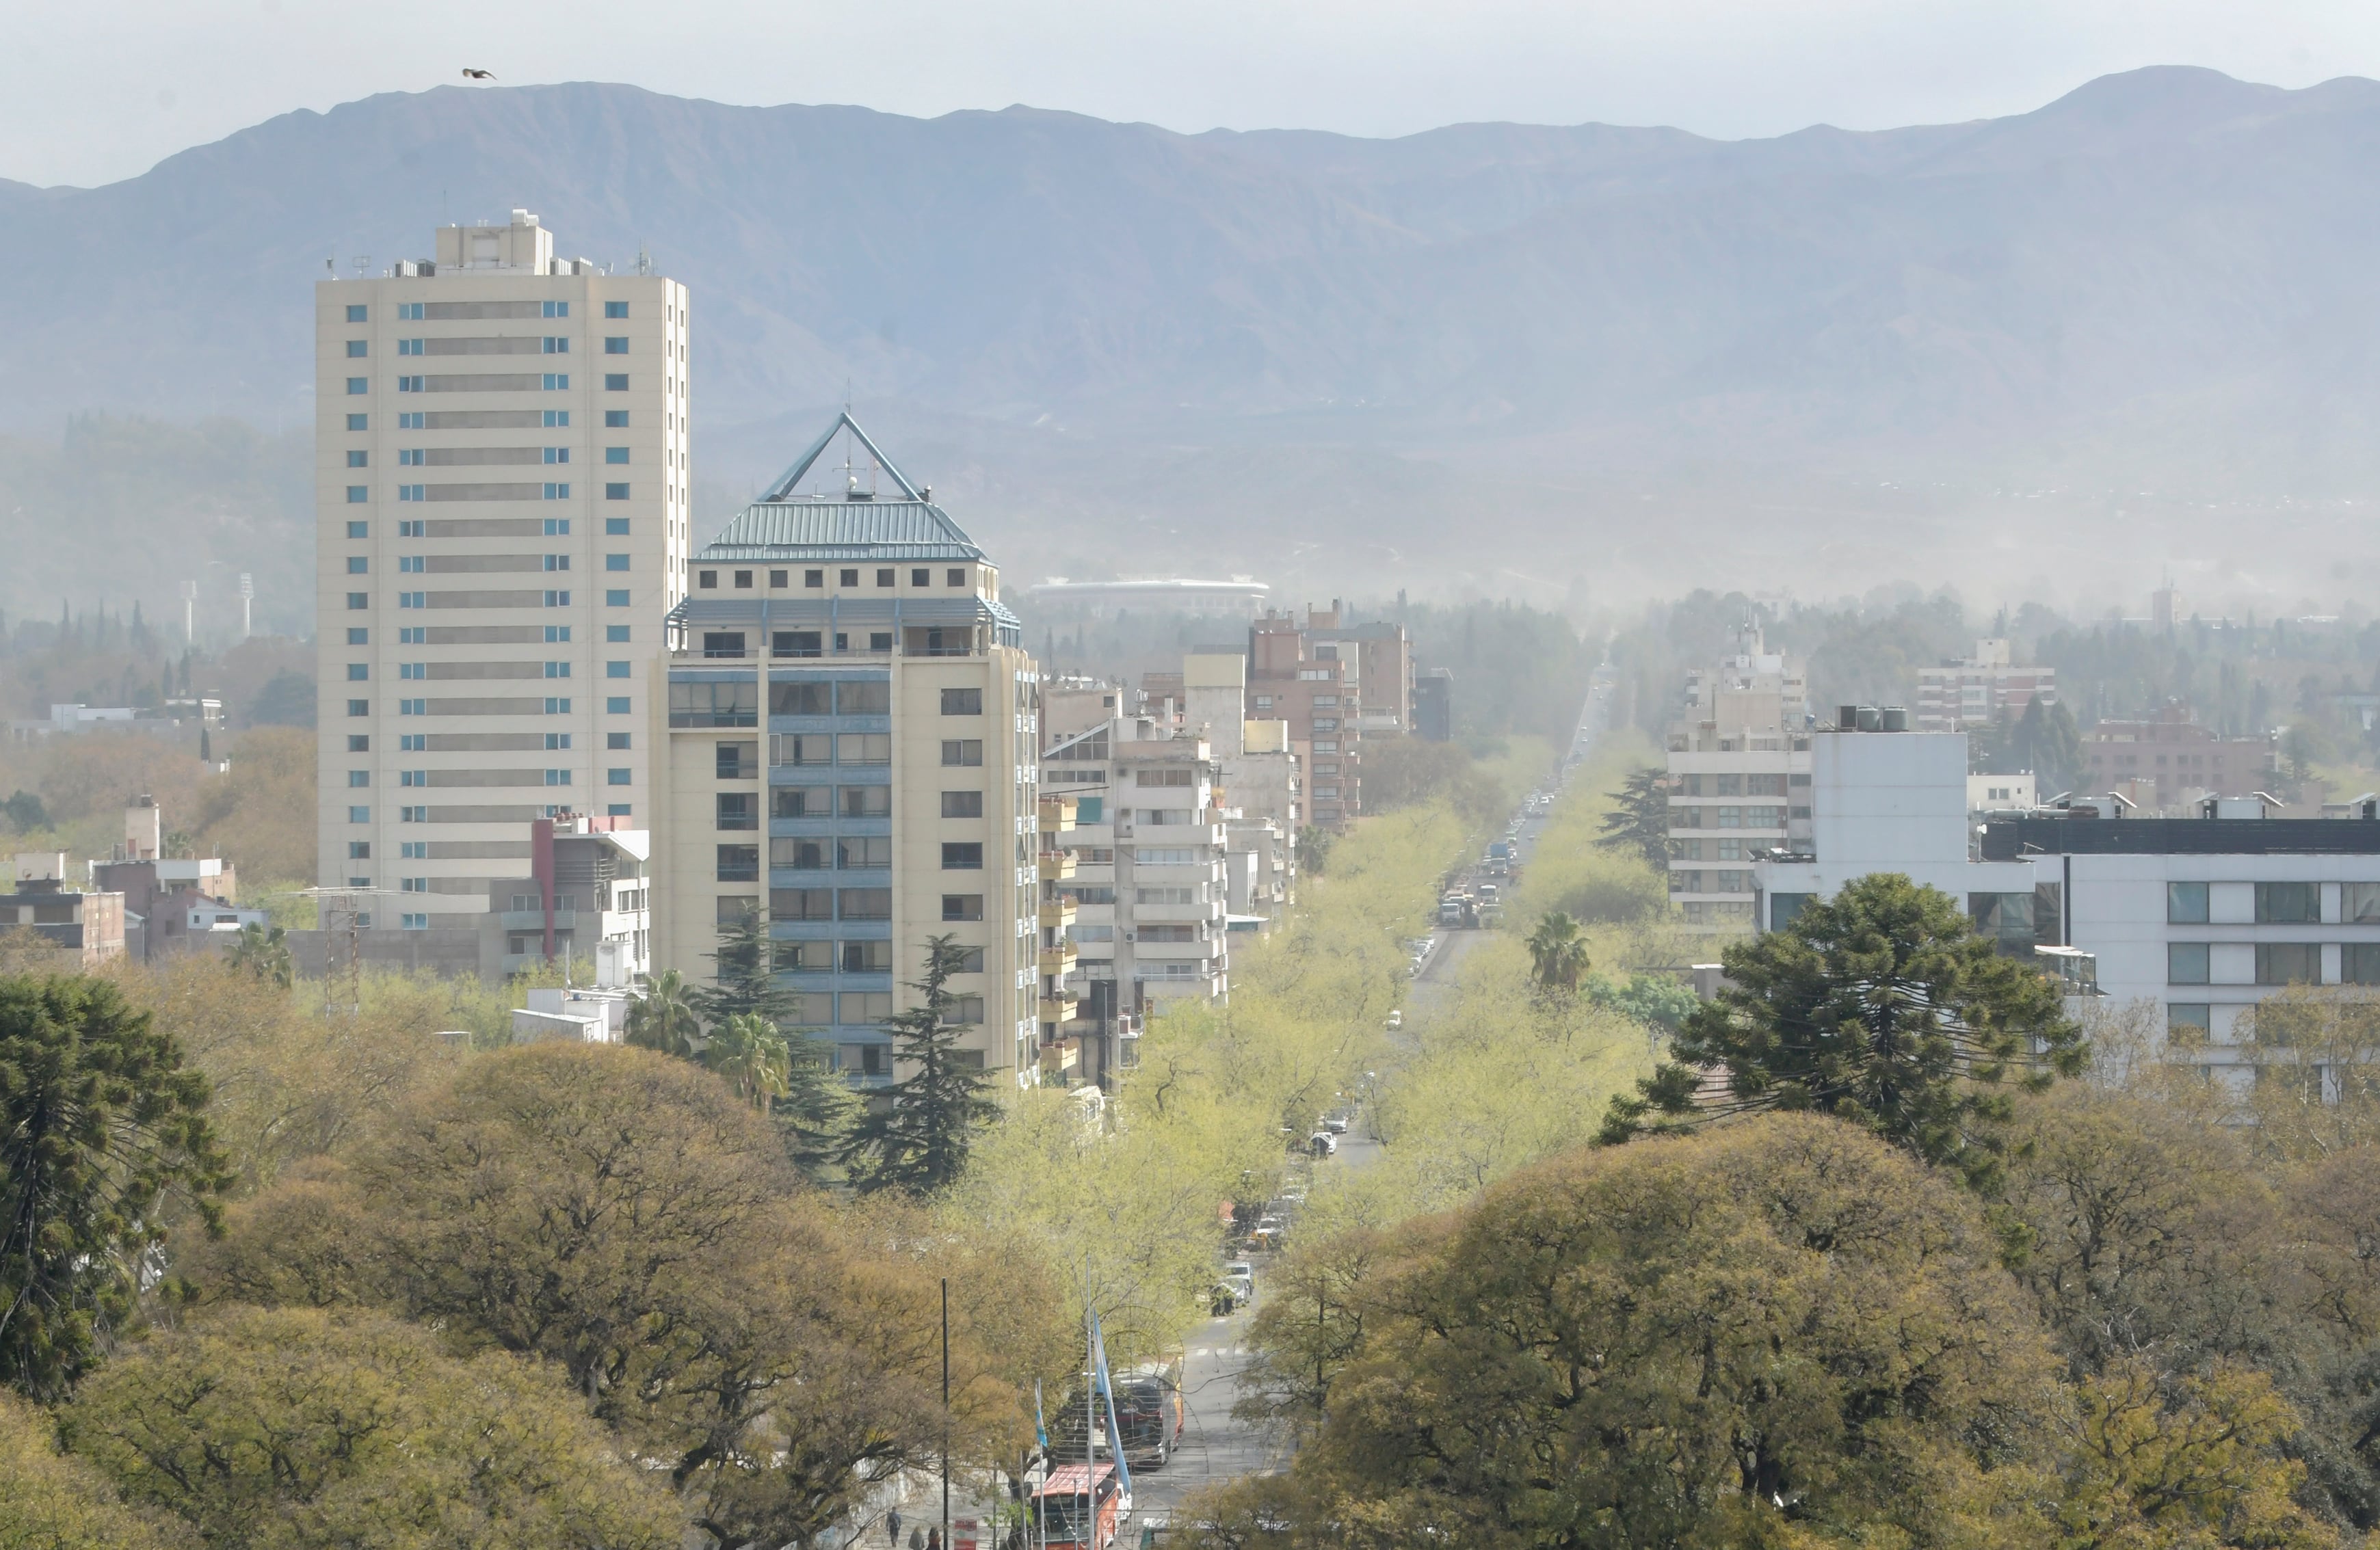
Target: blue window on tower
{"points": [[358, 385], [358, 314]]}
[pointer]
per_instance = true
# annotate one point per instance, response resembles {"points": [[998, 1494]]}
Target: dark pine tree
{"points": [[916, 1142]]}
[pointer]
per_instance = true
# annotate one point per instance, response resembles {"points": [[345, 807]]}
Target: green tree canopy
{"points": [[745, 985], [1776, 1334], [263, 950], [301, 1427], [51, 1502], [1639, 818], [1557, 955], [100, 1125], [1881, 1006], [917, 1141], [663, 1017]]}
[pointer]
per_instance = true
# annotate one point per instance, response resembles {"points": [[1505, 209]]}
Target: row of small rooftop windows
{"points": [[553, 420], [886, 576], [439, 311]]}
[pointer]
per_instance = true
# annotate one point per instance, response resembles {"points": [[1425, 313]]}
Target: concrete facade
{"points": [[502, 442]]}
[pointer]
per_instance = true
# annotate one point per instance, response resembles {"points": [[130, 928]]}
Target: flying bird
{"points": [[479, 75]]}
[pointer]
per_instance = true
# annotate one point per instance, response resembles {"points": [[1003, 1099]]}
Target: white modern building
{"points": [[489, 662], [1739, 764], [2202, 917]]}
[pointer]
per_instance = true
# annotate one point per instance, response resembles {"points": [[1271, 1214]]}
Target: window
{"points": [[778, 578], [358, 348], [2185, 904], [557, 777], [965, 857], [357, 314], [800, 748], [359, 743], [865, 802], [359, 422], [1163, 777], [557, 706], [556, 346], [615, 526], [966, 805], [963, 752], [1090, 809], [864, 903], [620, 563], [616, 705], [1167, 895], [738, 863], [615, 344], [957, 575], [556, 310], [799, 697], [866, 958], [1166, 855], [357, 385], [863, 1007], [410, 492], [358, 671], [558, 454], [961, 906], [357, 494], [800, 801], [359, 814], [814, 578], [2005, 916], [557, 634], [2185, 963], [615, 454], [863, 747], [359, 707], [869, 697], [554, 381], [961, 702], [964, 1011], [2288, 904], [863, 851], [615, 740], [615, 670], [884, 575], [2288, 963], [616, 309], [714, 705], [616, 382], [359, 460], [801, 904], [615, 419], [616, 597], [413, 815], [735, 761], [849, 577], [620, 492], [359, 778], [737, 809]]}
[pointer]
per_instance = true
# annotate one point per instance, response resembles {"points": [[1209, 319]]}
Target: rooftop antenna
{"points": [[644, 261]]}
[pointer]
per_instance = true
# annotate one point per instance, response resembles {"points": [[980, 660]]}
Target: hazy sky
{"points": [[92, 91]]}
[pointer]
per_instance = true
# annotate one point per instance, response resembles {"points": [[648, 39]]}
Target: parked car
{"points": [[1396, 1019], [1324, 1144], [1335, 1121]]}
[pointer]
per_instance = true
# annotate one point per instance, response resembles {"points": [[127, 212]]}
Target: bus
{"points": [[1062, 1515]]}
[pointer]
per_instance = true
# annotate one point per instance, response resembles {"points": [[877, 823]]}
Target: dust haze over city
{"points": [[1293, 775]]}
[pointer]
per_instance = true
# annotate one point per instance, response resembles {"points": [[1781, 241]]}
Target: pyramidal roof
{"points": [[845, 524]]}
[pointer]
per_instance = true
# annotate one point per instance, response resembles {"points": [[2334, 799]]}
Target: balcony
{"points": [[1058, 961], [1059, 1005], [534, 920], [1057, 914], [1057, 865], [1057, 814], [1063, 1057], [1176, 834]]}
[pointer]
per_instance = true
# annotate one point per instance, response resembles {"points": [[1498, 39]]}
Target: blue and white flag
{"points": [[1041, 1431], [1107, 1391]]}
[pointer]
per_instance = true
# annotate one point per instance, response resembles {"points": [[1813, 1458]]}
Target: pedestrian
{"points": [[892, 1529], [917, 1539], [933, 1538]]}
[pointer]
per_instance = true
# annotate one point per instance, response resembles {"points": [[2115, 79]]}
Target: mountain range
{"points": [[1555, 352]]}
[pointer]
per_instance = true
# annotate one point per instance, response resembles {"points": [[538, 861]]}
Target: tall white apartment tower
{"points": [[501, 478]]}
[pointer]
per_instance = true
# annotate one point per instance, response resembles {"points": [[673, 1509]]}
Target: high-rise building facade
{"points": [[851, 723], [488, 663], [1971, 691], [1739, 770]]}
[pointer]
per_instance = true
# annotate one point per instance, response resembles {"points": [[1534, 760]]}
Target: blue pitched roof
{"points": [[842, 526]]}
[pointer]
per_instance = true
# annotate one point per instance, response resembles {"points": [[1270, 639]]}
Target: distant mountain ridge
{"points": [[2162, 278]]}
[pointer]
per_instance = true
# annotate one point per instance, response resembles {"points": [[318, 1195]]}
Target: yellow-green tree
{"points": [[51, 1502]]}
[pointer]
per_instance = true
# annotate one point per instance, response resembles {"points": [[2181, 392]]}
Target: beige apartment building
{"points": [[851, 720], [1738, 767], [490, 663]]}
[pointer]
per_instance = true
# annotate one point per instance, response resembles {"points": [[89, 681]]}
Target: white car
{"points": [[1324, 1144], [1335, 1121], [1396, 1020]]}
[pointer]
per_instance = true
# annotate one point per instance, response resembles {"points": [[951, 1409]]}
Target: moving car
{"points": [[1336, 1120]]}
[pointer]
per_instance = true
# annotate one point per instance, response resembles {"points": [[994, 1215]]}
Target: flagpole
{"points": [[946, 1413]]}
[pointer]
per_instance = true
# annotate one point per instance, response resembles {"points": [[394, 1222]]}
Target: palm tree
{"points": [[663, 1018], [1557, 951], [265, 952], [751, 1052]]}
